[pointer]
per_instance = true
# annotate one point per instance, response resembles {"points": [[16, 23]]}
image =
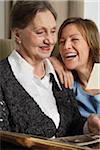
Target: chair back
{"points": [[6, 46]]}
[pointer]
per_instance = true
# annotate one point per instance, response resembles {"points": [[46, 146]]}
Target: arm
{"points": [[65, 75]]}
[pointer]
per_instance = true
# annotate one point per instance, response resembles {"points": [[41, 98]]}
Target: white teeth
{"points": [[69, 55]]}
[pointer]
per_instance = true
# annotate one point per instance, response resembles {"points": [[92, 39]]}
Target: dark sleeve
{"points": [[4, 113], [78, 121]]}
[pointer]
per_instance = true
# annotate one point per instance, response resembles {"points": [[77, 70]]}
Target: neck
{"points": [[39, 69], [38, 64], [84, 74]]}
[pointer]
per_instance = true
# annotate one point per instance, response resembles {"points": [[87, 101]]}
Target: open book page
{"points": [[94, 80], [30, 141], [90, 140]]}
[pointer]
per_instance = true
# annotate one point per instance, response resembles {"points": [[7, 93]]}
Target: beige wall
{"points": [[7, 10], [68, 8], [64, 8], [2, 14], [76, 8]]}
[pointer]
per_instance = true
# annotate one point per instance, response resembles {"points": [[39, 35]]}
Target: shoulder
{"points": [[2, 66], [3, 63], [4, 69]]}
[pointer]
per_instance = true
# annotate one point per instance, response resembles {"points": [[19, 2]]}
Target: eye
{"points": [[61, 42], [53, 31], [75, 39], [40, 32]]}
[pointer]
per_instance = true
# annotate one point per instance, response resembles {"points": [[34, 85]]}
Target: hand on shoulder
{"points": [[65, 75]]}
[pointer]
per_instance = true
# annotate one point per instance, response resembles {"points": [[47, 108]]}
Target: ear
{"points": [[16, 33]]}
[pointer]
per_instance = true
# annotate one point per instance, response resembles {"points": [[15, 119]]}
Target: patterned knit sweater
{"points": [[20, 113]]}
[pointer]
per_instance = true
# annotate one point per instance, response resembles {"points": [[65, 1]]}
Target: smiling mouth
{"points": [[45, 48], [70, 55]]}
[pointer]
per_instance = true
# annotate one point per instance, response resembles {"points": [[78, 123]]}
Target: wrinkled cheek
{"points": [[55, 40]]}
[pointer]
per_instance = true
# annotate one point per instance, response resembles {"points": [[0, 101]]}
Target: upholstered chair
{"points": [[6, 46]]}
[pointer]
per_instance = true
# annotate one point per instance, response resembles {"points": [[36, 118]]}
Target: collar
{"points": [[23, 68], [50, 69]]}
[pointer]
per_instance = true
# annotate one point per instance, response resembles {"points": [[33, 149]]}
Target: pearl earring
{"points": [[19, 42]]}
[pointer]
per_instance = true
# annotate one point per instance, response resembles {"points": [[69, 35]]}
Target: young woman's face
{"points": [[39, 37], [73, 48]]}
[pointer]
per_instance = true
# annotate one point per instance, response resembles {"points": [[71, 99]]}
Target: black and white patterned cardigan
{"points": [[20, 113]]}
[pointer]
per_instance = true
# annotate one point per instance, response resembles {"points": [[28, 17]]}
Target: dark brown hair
{"points": [[24, 11], [90, 33]]}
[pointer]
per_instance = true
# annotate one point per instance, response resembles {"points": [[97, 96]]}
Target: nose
{"points": [[67, 44], [50, 40]]}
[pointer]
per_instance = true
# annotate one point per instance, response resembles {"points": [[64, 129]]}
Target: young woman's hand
{"points": [[94, 123], [65, 75]]}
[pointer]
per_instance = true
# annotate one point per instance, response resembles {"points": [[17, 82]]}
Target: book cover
{"points": [[80, 142]]}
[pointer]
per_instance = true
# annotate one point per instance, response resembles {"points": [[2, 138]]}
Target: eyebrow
{"points": [[75, 35], [54, 27], [71, 35]]}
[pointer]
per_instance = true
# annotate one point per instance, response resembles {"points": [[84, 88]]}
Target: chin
{"points": [[70, 67], [46, 56]]}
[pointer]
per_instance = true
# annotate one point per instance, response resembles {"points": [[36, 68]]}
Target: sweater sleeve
{"points": [[4, 113]]}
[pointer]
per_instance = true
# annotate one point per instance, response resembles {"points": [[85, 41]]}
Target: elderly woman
{"points": [[32, 100]]}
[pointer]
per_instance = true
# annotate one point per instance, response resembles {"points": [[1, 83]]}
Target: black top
{"points": [[20, 113]]}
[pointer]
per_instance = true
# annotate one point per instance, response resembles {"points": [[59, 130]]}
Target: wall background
{"points": [[92, 10], [2, 24], [65, 8]]}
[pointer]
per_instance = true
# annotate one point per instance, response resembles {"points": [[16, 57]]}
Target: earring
{"points": [[19, 42]]}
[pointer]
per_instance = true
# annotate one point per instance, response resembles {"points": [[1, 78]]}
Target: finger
{"points": [[68, 79], [61, 77], [71, 82], [64, 78]]}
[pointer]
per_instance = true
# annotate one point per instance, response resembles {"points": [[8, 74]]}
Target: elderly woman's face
{"points": [[39, 37], [73, 48]]}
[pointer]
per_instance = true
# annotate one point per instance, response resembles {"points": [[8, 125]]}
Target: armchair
{"points": [[6, 46]]}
